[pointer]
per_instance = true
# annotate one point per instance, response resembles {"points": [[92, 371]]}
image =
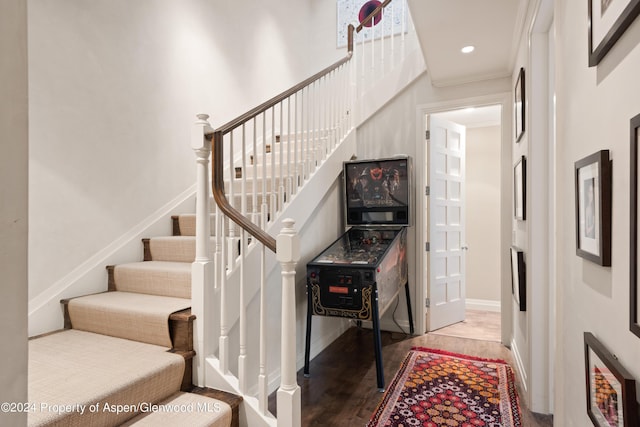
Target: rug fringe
{"points": [[460, 355]]}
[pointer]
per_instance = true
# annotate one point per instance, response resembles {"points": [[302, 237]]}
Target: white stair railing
{"points": [[271, 151]]}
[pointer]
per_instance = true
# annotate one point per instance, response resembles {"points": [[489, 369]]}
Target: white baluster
{"points": [[273, 207], [242, 322], [294, 185], [289, 190], [263, 396], [254, 166], [232, 239], [202, 269], [393, 10], [223, 340], [288, 254], [281, 154]]}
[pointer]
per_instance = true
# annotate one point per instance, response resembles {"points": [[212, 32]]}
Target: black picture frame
{"points": [[610, 388], [518, 278], [634, 292], [519, 105], [520, 189], [593, 208], [605, 29]]}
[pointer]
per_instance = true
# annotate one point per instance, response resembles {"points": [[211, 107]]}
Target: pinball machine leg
{"points": [[406, 290], [307, 344], [377, 343]]}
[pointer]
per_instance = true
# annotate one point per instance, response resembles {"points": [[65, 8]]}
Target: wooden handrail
{"points": [[217, 188], [217, 160]]}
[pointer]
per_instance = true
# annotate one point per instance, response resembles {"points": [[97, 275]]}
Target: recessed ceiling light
{"points": [[467, 49]]}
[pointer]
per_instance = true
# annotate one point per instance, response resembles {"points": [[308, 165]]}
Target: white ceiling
{"points": [[474, 117], [445, 26]]}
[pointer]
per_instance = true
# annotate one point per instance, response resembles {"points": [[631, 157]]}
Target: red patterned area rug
{"points": [[438, 388]]}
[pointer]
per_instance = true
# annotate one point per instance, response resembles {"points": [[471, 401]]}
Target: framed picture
{"points": [[608, 20], [593, 208], [518, 278], [520, 189], [611, 391], [634, 294], [518, 105], [394, 20]]}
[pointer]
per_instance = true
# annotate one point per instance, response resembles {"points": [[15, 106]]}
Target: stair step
{"points": [[83, 368], [233, 400], [133, 316], [171, 279], [171, 248], [251, 184], [301, 153], [185, 409], [185, 224]]}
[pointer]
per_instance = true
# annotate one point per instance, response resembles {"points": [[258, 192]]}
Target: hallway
{"points": [[341, 390]]}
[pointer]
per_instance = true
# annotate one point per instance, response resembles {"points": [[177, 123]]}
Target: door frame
{"points": [[503, 99]]}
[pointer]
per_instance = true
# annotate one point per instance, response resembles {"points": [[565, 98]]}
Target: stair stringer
{"points": [[300, 209]]}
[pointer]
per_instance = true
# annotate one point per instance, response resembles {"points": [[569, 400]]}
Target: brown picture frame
{"points": [[608, 20], [610, 388], [634, 291], [518, 278], [520, 189], [519, 102], [593, 208]]}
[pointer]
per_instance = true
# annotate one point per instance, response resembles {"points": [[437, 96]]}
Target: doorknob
{"points": [[465, 248]]}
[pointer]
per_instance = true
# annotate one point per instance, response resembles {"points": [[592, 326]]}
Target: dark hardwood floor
{"points": [[342, 391]]}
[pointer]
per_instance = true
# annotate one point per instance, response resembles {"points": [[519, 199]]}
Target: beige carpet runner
{"points": [[133, 316], [115, 365], [171, 279]]}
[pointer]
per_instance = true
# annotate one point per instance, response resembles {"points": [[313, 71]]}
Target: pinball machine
{"points": [[360, 274]]}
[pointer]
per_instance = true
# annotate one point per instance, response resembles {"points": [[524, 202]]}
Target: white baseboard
{"points": [[522, 373], [482, 304]]}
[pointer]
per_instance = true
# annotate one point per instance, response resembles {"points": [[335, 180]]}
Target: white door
{"points": [[446, 266]]}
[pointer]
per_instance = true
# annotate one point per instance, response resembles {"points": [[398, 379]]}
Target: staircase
{"points": [[199, 308], [125, 355]]}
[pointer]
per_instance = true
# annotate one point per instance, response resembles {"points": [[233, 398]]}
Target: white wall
{"points": [[483, 213], [532, 335], [114, 88], [13, 209], [520, 229], [594, 106]]}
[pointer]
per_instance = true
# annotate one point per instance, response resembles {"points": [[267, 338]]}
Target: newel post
{"points": [[202, 267], [288, 254]]}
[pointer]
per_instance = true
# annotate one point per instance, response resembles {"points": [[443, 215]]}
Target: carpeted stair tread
{"points": [[133, 316], [172, 279], [185, 409], [173, 248], [187, 224], [77, 367]]}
